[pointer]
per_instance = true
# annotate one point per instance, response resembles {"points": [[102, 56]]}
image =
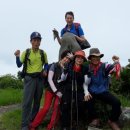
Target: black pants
{"points": [[66, 108], [107, 98]]}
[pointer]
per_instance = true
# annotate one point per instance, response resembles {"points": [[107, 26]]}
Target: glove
{"points": [[59, 94], [70, 56], [55, 33]]}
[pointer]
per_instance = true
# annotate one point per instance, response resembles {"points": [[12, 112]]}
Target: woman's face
{"points": [[95, 60], [69, 19], [65, 60], [79, 60]]}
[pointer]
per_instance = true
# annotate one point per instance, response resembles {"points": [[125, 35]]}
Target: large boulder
{"points": [[124, 119]]}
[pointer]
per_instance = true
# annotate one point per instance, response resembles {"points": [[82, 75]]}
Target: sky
{"points": [[106, 24]]}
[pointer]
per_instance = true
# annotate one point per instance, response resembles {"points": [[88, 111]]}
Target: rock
{"points": [[124, 119], [93, 128]]}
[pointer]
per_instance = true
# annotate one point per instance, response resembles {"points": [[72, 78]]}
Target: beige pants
{"points": [[69, 42]]}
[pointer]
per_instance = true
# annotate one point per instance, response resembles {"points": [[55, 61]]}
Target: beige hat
{"points": [[95, 52], [115, 57]]}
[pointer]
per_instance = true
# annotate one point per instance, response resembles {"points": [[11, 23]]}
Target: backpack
{"points": [[27, 53], [46, 78], [76, 25]]}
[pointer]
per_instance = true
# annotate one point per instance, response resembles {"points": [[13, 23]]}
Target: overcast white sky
{"points": [[106, 24]]}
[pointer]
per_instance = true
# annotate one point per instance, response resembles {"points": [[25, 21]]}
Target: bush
{"points": [[10, 81], [125, 76], [122, 86]]}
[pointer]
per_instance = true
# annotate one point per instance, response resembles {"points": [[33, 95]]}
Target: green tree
{"points": [[10, 81]]}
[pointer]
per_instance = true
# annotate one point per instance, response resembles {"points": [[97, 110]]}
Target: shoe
{"points": [[113, 125], [95, 123]]}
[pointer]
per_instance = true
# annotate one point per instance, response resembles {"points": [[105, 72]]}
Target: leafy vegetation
{"points": [[122, 86], [10, 96], [10, 81]]}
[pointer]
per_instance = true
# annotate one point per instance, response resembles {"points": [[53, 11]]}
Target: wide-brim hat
{"points": [[95, 52], [80, 53]]}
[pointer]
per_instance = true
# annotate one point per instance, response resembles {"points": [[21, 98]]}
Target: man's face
{"points": [[36, 43], [95, 60], [79, 60], [69, 19]]}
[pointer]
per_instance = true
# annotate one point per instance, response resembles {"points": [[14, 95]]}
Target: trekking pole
{"points": [[77, 114], [72, 100]]}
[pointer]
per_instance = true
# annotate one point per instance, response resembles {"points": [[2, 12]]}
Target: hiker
{"points": [[53, 92], [32, 60], [98, 89], [72, 105], [71, 35], [117, 69]]}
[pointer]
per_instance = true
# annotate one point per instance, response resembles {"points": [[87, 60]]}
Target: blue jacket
{"points": [[99, 82]]}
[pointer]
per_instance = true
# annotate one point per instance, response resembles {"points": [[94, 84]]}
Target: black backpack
{"points": [[28, 51]]}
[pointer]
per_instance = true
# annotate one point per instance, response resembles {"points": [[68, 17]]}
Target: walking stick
{"points": [[72, 100], [77, 114]]}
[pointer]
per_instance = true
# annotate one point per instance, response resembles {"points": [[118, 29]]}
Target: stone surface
{"points": [[93, 128], [124, 119]]}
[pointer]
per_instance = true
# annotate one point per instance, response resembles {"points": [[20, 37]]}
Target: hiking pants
{"points": [[32, 93], [69, 42], [49, 96], [107, 98]]}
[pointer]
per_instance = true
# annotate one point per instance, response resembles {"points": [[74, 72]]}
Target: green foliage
{"points": [[10, 96], [125, 102], [122, 86], [115, 85], [125, 76], [11, 120], [10, 81]]}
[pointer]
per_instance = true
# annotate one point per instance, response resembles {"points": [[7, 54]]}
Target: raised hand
{"points": [[17, 53]]}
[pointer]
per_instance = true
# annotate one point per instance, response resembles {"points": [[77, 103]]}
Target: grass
{"points": [[12, 120], [10, 96], [125, 102]]}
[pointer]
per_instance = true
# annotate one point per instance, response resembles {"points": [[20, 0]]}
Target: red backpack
{"points": [[76, 25]]}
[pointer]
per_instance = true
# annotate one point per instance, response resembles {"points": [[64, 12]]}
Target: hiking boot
{"points": [[95, 123], [113, 125]]}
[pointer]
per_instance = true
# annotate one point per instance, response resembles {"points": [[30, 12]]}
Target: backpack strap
{"points": [[27, 53], [76, 25], [103, 65], [42, 56]]}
